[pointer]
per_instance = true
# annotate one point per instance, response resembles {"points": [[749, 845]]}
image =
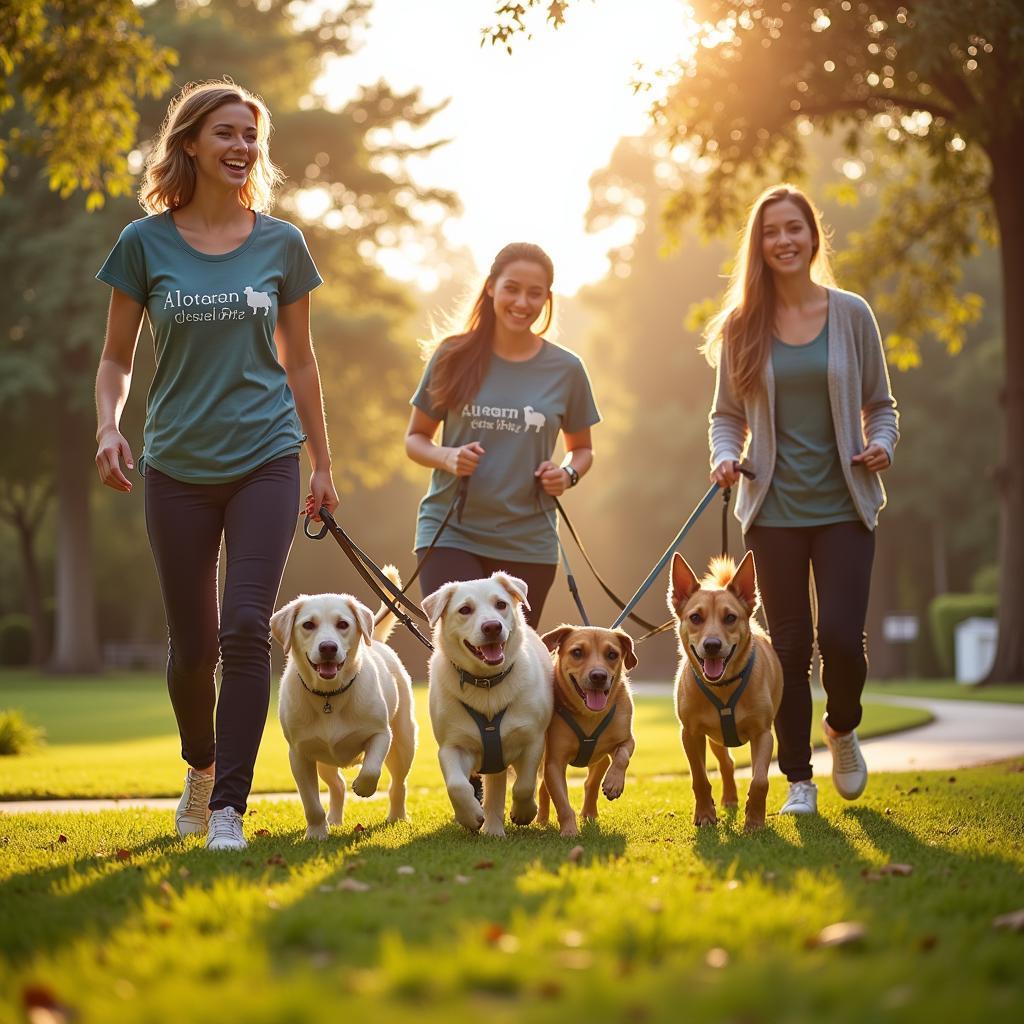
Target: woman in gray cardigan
{"points": [[802, 393]]}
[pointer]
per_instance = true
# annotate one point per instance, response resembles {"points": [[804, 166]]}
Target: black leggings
{"points": [[841, 555], [256, 516], [446, 565]]}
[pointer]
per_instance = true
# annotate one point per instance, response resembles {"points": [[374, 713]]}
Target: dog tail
{"points": [[384, 621]]}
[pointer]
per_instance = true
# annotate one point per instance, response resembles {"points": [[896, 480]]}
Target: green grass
{"points": [[947, 689], [112, 918], [115, 736]]}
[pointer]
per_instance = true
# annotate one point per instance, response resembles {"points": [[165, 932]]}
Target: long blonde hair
{"points": [[462, 359], [746, 319], [169, 181]]}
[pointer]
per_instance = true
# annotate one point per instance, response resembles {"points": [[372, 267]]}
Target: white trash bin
{"points": [[975, 643]]}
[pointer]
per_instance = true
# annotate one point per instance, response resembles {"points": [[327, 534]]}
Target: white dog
{"points": [[491, 698], [345, 697]]}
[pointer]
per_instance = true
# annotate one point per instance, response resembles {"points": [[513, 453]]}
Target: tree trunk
{"points": [[76, 643], [1009, 206], [26, 528]]}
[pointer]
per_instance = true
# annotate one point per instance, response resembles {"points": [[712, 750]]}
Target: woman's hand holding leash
{"points": [[463, 461], [725, 474], [553, 479], [874, 458], [322, 494], [112, 449]]}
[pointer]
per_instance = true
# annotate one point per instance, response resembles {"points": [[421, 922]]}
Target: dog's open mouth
{"points": [[596, 700], [713, 668], [492, 654], [326, 669]]}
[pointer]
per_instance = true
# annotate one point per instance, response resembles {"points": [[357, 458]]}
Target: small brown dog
{"points": [[729, 683], [593, 719]]}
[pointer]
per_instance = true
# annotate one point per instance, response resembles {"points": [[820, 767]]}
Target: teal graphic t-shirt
{"points": [[808, 487], [516, 415], [219, 405]]}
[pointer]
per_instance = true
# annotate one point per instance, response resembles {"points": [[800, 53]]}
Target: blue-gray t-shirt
{"points": [[219, 405], [516, 415]]}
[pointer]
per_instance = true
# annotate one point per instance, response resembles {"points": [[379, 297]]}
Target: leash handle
{"points": [[314, 536]]}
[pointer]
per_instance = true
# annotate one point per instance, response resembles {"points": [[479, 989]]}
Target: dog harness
{"points": [[588, 744], [490, 736], [730, 737]]}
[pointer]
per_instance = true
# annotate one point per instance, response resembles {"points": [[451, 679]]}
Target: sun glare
{"points": [[528, 130]]}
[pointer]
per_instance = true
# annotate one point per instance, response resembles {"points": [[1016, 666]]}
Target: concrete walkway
{"points": [[964, 733]]}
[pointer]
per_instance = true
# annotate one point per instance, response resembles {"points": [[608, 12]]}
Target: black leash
{"points": [[392, 597]]}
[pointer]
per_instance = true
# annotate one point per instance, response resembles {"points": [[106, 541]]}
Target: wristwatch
{"points": [[574, 477]]}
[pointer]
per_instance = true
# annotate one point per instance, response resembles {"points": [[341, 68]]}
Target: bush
{"points": [[986, 580], [15, 639], [946, 611], [17, 736]]}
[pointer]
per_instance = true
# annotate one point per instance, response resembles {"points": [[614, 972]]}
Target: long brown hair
{"points": [[462, 359], [745, 322], [169, 181]]}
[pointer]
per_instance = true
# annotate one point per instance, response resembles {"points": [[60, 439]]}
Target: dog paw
{"points": [[317, 832], [523, 813], [705, 816], [335, 817], [569, 829], [613, 786], [494, 828], [365, 785], [392, 818], [753, 822], [471, 818]]}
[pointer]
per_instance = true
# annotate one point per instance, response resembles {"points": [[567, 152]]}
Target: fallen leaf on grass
{"points": [[575, 854], [357, 828], [405, 869], [43, 1007], [462, 880], [123, 854], [842, 933], [263, 831], [483, 865], [184, 872], [277, 859], [876, 874], [1014, 921], [352, 885], [492, 933], [62, 838]]}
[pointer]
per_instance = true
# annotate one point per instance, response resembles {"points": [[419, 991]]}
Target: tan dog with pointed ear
{"points": [[345, 697], [490, 698], [593, 722], [729, 683]]}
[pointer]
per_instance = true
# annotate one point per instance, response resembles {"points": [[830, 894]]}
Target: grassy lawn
{"points": [[947, 689], [110, 918], [115, 736]]}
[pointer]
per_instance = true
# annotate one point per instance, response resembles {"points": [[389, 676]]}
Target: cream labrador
{"points": [[345, 697], [491, 698]]}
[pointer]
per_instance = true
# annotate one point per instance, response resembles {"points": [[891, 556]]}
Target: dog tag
{"points": [[327, 707]]}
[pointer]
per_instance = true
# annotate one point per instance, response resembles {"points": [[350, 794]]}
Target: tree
{"points": [[51, 324], [936, 86], [75, 69]]}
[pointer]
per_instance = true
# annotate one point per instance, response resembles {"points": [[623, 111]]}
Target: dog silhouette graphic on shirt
{"points": [[533, 419], [257, 300]]}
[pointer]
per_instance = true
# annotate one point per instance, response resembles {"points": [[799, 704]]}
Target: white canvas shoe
{"points": [[802, 799], [225, 830], [849, 770], [193, 813]]}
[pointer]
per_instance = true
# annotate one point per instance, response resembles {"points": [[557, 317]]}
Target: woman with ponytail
{"points": [[802, 392], [502, 394]]}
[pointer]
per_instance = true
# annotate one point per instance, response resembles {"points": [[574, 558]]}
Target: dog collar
{"points": [[483, 682], [327, 693]]}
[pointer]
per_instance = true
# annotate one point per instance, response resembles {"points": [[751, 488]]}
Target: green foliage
{"points": [[15, 639], [72, 72], [946, 611], [986, 580], [17, 736]]}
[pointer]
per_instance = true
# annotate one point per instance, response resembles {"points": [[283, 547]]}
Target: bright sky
{"points": [[528, 130]]}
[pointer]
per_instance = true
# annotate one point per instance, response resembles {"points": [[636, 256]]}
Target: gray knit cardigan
{"points": [[863, 412]]}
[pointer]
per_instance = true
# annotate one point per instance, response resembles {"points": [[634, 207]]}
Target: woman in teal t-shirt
{"points": [[235, 393], [802, 393], [503, 394]]}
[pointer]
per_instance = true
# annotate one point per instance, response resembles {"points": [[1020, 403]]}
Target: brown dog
{"points": [[729, 683], [593, 719]]}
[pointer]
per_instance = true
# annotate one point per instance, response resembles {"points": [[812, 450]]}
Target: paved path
{"points": [[964, 733]]}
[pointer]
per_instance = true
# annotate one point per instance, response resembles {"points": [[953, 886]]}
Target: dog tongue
{"points": [[596, 699], [327, 669], [493, 653], [713, 668]]}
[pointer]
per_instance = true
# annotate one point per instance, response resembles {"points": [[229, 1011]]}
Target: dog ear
{"points": [[283, 622], [434, 604], [364, 619], [553, 639], [683, 585], [515, 586], [744, 581], [628, 649]]}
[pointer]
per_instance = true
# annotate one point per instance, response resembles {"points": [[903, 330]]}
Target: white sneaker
{"points": [[802, 799], [225, 830], [849, 770], [193, 813]]}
